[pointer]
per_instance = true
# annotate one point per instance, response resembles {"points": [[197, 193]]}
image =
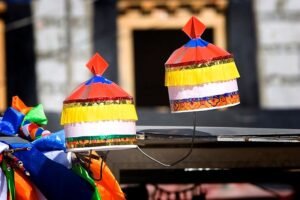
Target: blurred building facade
{"points": [[149, 31], [278, 29], [63, 35], [137, 36]]}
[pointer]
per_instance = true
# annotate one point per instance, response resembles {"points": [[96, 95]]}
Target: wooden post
{"points": [[2, 61]]}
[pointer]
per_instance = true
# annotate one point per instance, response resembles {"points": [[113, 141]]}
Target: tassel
{"points": [[198, 76], [101, 112]]}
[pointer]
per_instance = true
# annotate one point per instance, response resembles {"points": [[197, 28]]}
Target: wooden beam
{"points": [[2, 61]]}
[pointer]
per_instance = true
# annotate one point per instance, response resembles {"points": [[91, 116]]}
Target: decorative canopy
{"points": [[200, 75], [99, 114]]}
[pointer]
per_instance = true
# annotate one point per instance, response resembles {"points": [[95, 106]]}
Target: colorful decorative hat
{"points": [[199, 75], [99, 114]]}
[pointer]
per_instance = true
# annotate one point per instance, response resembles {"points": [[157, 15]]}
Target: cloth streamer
{"points": [[9, 173], [19, 105], [3, 186], [78, 169], [54, 180], [54, 141], [37, 115], [11, 121], [60, 157], [32, 114], [3, 182], [108, 186], [25, 190]]}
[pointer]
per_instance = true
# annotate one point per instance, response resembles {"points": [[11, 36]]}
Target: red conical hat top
{"points": [[97, 64], [194, 28], [98, 87], [196, 50]]}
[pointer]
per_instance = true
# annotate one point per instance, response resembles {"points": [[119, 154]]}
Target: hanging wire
{"points": [[86, 159], [13, 161], [182, 158], [103, 157]]}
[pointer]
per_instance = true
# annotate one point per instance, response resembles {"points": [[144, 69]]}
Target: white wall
{"points": [[278, 31], [60, 64]]}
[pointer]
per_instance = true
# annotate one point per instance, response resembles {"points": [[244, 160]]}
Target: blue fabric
{"points": [[54, 180], [11, 122], [196, 43], [20, 145], [15, 142], [54, 141], [98, 79], [39, 132]]}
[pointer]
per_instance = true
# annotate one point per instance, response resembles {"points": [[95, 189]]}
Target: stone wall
{"points": [[63, 46], [278, 31]]}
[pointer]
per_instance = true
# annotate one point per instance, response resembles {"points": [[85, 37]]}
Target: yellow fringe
{"points": [[98, 113], [198, 76]]}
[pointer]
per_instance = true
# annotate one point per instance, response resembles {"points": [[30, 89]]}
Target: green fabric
{"points": [[79, 170], [9, 173], [36, 115]]}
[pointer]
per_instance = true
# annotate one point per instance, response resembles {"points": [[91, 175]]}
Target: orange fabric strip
{"points": [[24, 188], [108, 186], [19, 105]]}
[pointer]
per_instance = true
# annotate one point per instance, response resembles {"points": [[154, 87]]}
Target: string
{"points": [[13, 161], [83, 159], [103, 157], [182, 158]]}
